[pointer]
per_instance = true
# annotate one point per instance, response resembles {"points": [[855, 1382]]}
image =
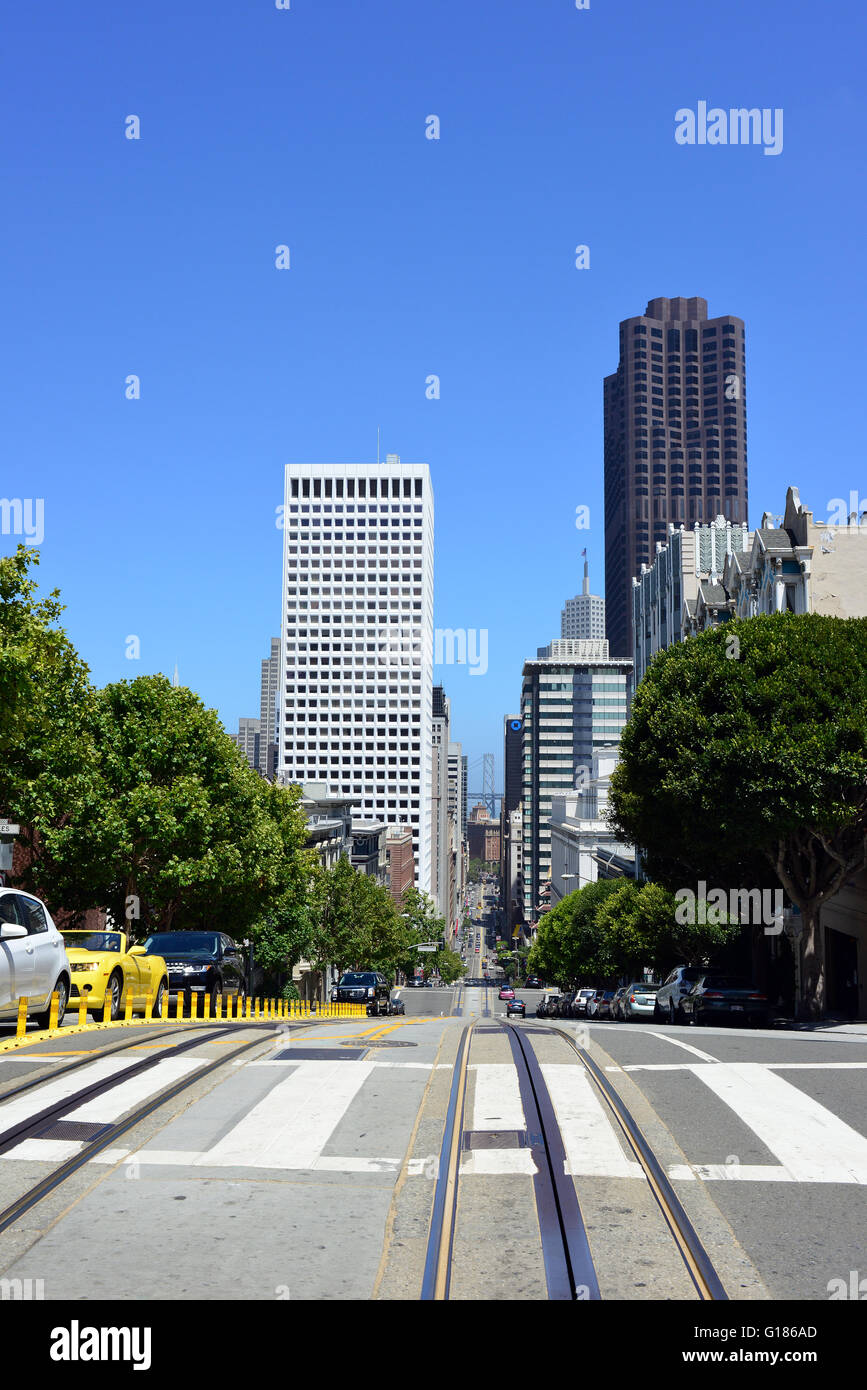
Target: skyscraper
{"points": [[574, 699], [268, 710], [583, 617], [357, 640], [675, 439]]}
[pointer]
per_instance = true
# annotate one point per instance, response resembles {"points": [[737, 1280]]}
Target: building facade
{"points": [[400, 862], [675, 439], [248, 739], [682, 587], [357, 640], [268, 711], [574, 700], [581, 841]]}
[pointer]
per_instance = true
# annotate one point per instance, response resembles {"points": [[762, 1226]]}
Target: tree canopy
{"points": [[744, 764]]}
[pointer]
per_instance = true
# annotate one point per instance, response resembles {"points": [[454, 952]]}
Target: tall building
{"points": [[513, 742], [583, 617], [574, 700], [357, 640], [442, 813], [268, 711], [675, 439], [248, 739], [464, 784]]}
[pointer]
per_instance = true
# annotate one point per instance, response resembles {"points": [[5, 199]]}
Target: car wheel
{"points": [[114, 990], [61, 989], [160, 1001]]}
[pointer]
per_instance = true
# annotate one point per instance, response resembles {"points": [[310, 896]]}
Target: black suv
{"points": [[204, 963], [363, 987]]}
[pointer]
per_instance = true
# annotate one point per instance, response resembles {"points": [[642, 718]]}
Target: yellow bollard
{"points": [[53, 1011], [194, 1005], [106, 1007], [249, 1006], [273, 1013], [257, 1008], [220, 1005], [127, 1008], [206, 1011], [179, 1005], [22, 1018], [82, 1010], [149, 1006]]}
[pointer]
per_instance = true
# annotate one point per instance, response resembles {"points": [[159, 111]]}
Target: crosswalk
{"points": [[300, 1123]]}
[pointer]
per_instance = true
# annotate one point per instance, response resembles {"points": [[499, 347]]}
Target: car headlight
{"points": [[371, 992], [86, 965]]}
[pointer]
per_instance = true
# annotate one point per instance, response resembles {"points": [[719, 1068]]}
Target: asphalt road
{"points": [[307, 1168]]}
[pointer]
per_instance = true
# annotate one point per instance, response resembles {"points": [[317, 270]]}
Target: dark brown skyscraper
{"points": [[675, 440]]}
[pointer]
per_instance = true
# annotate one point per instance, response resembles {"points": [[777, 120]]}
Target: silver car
{"points": [[638, 1000], [673, 990]]}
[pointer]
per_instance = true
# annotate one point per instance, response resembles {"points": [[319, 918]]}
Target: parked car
{"points": [[600, 1005], [670, 995], [615, 1002], [396, 1004], [580, 1002], [563, 1004], [516, 1006], [367, 987], [204, 963], [33, 959], [543, 1006], [106, 968], [725, 998], [506, 992], [638, 1000]]}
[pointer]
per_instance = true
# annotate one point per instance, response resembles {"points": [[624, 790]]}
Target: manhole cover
{"points": [[72, 1129], [385, 1043], [495, 1139]]}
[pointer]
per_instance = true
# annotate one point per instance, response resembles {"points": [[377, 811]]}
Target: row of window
{"points": [[366, 487]]}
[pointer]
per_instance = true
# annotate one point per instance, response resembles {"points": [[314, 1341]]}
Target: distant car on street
{"points": [[367, 987], [516, 1006], [207, 964], [506, 992], [600, 1005], [673, 990], [543, 1008], [638, 1000], [533, 982]]}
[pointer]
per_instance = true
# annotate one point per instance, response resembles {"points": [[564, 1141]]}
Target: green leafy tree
{"points": [[175, 829], [356, 925], [570, 945], [744, 764], [47, 757]]}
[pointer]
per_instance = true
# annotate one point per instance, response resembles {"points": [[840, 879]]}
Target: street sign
{"points": [[431, 946], [7, 828]]}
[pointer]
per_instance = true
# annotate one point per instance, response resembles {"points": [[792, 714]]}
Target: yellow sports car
{"points": [[104, 967]]}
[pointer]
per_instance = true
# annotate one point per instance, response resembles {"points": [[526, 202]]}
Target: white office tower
{"points": [[357, 643], [583, 617]]}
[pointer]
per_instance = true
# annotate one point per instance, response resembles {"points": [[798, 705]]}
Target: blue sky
{"points": [[409, 257]]}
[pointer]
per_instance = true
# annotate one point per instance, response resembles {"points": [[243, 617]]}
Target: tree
{"points": [[745, 763], [173, 827], [570, 944], [47, 758], [638, 927], [356, 924]]}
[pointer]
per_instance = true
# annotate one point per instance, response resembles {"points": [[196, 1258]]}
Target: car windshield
{"points": [[357, 977], [93, 940], [183, 943]]}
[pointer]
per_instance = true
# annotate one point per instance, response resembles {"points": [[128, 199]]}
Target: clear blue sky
{"points": [[409, 257]]}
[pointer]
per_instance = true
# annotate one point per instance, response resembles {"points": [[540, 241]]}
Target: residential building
{"points": [[399, 858], [357, 640], [675, 439], [483, 835], [368, 853], [583, 848], [584, 615], [681, 589], [574, 700]]}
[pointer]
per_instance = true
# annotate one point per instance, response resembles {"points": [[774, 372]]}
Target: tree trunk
{"points": [[812, 1003]]}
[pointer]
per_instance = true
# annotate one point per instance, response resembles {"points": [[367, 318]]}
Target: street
{"points": [[307, 1167]]}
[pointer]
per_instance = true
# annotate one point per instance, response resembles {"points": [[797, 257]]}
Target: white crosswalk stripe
{"points": [[291, 1127]]}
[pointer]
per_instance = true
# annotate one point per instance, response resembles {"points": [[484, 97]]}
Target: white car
{"points": [[33, 960]]}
